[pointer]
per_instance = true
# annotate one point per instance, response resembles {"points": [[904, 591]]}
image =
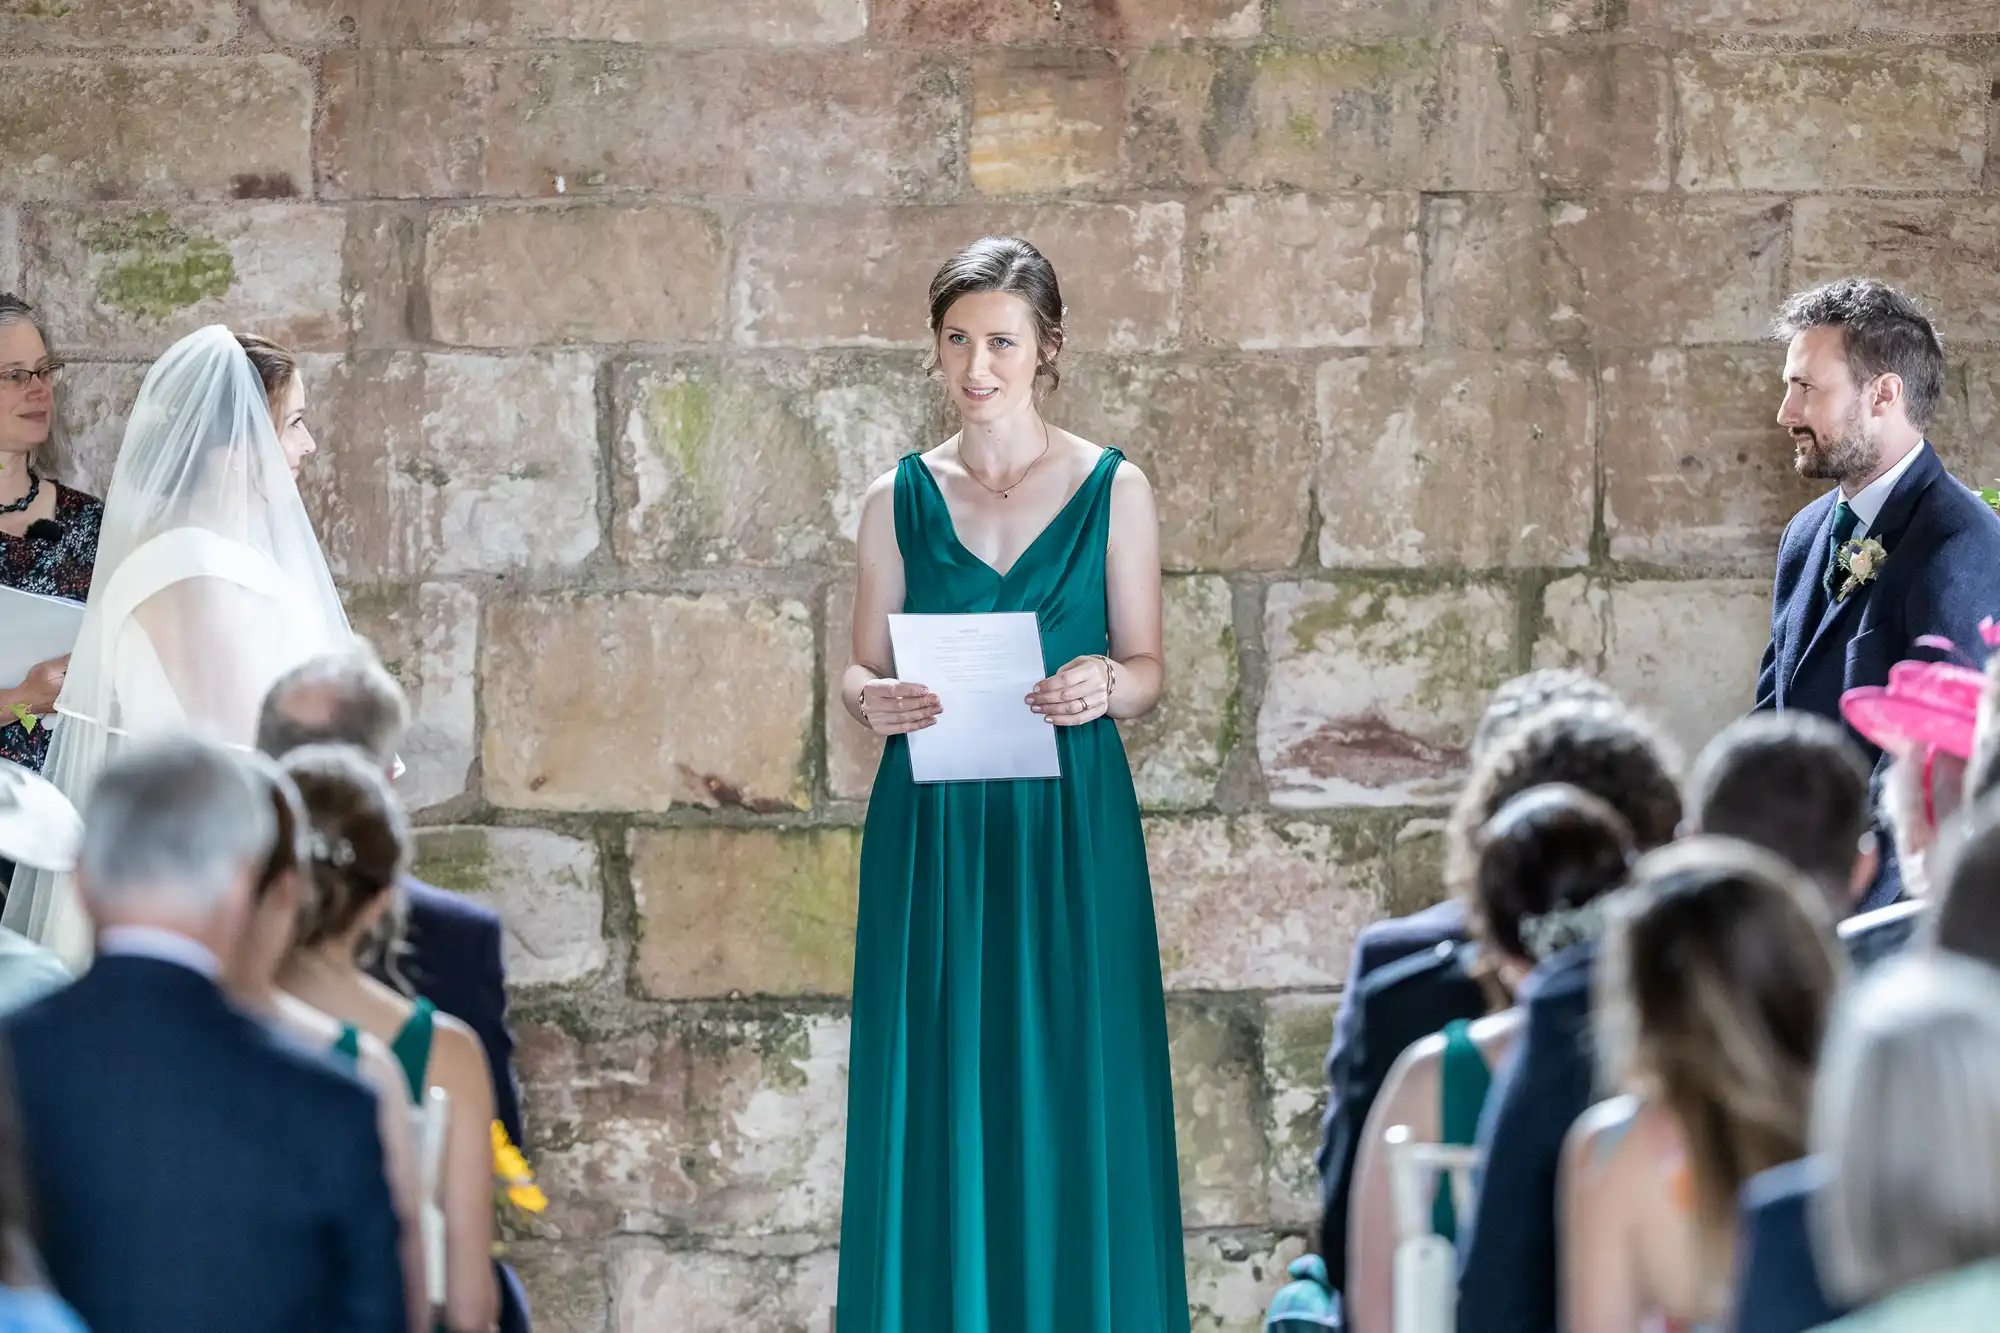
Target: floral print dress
{"points": [[53, 568]]}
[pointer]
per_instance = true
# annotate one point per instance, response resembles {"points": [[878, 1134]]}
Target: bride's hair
{"points": [[275, 365], [357, 838]]}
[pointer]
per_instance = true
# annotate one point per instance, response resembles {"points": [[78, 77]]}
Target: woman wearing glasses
{"points": [[48, 532]]}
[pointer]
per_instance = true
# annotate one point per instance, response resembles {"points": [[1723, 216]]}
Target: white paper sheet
{"points": [[34, 629], [981, 668]]}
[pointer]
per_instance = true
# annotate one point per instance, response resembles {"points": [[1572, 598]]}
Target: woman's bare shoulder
{"points": [[1602, 1142], [457, 1057]]}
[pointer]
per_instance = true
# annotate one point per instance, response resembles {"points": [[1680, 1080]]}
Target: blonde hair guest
{"points": [[1907, 1114], [1720, 968]]}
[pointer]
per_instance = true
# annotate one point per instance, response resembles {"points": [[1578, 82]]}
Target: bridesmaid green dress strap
{"points": [[348, 1045], [412, 1046], [1463, 1080]]}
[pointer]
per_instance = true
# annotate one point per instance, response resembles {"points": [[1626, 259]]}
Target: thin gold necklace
{"points": [[1018, 480]]}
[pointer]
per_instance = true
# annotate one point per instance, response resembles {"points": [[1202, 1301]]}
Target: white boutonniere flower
{"points": [[1862, 561]]}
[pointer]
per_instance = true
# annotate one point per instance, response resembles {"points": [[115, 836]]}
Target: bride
{"points": [[210, 584]]}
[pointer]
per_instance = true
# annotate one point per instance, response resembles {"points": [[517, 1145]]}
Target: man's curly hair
{"points": [[1603, 748]]}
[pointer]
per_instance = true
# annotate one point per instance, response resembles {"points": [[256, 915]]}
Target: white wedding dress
{"points": [[209, 586]]}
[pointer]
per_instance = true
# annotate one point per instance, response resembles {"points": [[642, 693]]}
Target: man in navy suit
{"points": [[190, 1170], [1863, 373], [454, 945]]}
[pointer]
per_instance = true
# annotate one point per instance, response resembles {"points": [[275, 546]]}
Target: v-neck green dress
{"points": [[1010, 1118]]}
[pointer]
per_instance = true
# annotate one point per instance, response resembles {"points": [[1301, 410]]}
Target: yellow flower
{"points": [[512, 1169]]}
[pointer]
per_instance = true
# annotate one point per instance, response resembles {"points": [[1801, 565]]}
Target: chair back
{"points": [[1426, 1290], [432, 1115]]}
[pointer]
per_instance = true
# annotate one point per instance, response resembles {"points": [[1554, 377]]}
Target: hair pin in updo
{"points": [[339, 853]]}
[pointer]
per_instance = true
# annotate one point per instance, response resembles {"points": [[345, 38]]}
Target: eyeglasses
{"points": [[18, 380]]}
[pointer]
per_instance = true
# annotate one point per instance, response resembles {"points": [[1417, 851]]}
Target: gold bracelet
{"points": [[1110, 677]]}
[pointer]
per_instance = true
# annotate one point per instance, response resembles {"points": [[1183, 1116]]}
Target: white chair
{"points": [[1426, 1263], [431, 1117]]}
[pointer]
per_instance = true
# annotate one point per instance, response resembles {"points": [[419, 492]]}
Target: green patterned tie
{"points": [[1845, 521]]}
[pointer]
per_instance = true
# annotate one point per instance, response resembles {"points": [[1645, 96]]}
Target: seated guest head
{"points": [[278, 896], [1549, 854], [357, 846], [1605, 749], [1796, 784], [1907, 1116], [343, 698], [1517, 700], [176, 833], [1720, 967], [1966, 920]]}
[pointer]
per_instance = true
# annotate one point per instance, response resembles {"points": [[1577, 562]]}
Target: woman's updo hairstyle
{"points": [[357, 839], [275, 365], [1549, 854], [1004, 264]]}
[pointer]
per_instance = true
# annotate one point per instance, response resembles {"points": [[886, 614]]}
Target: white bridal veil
{"points": [[209, 585]]}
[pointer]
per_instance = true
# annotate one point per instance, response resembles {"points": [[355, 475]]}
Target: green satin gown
{"points": [[1010, 1120]]}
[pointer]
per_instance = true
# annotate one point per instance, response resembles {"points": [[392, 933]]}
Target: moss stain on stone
{"points": [[1456, 668], [1295, 1043], [1230, 733], [818, 900], [424, 472], [156, 267], [40, 10], [783, 1045], [680, 419], [1352, 607], [459, 861]]}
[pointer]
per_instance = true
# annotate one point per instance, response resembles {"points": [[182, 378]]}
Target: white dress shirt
{"points": [[1867, 505], [163, 946]]}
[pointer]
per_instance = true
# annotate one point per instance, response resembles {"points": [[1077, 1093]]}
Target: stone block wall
{"points": [[1437, 324]]}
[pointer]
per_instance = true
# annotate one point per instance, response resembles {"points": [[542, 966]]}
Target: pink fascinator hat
{"points": [[1927, 708]]}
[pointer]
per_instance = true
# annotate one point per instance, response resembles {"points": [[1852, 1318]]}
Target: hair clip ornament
{"points": [[339, 854]]}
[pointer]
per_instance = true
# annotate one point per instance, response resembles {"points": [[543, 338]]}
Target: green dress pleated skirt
{"points": [[1010, 1125]]}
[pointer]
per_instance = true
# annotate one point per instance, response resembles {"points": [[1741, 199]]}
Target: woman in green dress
{"points": [[1010, 1133]]}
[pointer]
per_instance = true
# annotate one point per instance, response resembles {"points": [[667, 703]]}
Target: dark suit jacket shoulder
{"points": [[1778, 1287], [455, 960], [1507, 1247], [1395, 1006], [192, 1172]]}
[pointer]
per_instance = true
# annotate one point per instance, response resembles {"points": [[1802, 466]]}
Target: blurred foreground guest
{"points": [[252, 981], [26, 1303], [1779, 1283], [1720, 966], [1547, 856], [1797, 784], [1432, 982], [38, 828], [192, 1172], [452, 945], [359, 844], [1907, 1115], [1507, 1274]]}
